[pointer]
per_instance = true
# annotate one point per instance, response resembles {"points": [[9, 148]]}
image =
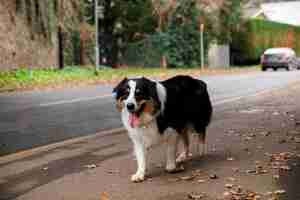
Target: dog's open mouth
{"points": [[134, 117], [133, 120]]}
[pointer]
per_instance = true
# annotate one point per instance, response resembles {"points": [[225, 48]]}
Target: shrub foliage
{"points": [[259, 35]]}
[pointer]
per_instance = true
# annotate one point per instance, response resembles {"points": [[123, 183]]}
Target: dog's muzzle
{"points": [[130, 107]]}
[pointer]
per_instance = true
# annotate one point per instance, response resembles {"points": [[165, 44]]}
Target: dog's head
{"points": [[137, 96]]}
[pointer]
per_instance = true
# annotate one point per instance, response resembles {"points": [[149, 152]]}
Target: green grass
{"points": [[21, 78], [24, 79]]}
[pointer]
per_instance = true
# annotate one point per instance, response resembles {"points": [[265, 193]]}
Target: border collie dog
{"points": [[148, 108]]}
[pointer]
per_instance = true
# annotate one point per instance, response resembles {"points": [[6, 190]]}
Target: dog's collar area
{"points": [[146, 124]]}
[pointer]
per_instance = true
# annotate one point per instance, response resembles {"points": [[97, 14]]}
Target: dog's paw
{"points": [[174, 169], [181, 158], [170, 167], [138, 177]]}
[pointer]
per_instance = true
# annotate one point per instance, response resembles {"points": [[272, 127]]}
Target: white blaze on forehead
{"points": [[162, 95], [131, 96]]}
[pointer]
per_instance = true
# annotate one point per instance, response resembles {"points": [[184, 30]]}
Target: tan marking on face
{"points": [[149, 107], [120, 104]]}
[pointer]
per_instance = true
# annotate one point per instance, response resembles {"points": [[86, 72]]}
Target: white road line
{"points": [[109, 95], [240, 97], [73, 100]]}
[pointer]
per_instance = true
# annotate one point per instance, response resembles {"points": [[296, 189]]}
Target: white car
{"points": [[275, 58]]}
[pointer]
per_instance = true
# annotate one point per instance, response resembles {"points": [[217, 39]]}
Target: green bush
{"points": [[258, 35], [180, 40]]}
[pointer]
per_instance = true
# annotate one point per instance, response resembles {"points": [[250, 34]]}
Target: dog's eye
{"points": [[138, 92]]}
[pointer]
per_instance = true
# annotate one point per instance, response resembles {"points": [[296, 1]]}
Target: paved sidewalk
{"points": [[254, 150]]}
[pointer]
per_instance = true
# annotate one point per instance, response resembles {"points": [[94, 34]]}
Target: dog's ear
{"points": [[154, 95], [116, 90]]}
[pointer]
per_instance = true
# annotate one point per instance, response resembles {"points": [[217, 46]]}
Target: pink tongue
{"points": [[133, 120]]}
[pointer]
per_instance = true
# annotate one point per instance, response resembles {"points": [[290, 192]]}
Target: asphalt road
{"points": [[31, 119], [253, 150]]}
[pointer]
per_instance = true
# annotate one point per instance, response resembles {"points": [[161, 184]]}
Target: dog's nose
{"points": [[130, 107]]}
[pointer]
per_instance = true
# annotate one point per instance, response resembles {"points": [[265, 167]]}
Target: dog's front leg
{"points": [[140, 153], [172, 141]]}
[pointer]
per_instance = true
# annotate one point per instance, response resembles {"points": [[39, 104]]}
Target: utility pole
{"points": [[97, 62], [201, 45]]}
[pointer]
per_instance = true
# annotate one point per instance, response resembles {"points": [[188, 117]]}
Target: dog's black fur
{"points": [[187, 104], [148, 108]]}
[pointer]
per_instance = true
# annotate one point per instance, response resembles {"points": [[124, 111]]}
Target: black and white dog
{"points": [[148, 108]]}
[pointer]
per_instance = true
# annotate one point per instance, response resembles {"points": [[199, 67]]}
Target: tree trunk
{"points": [[60, 48], [163, 62], [163, 59], [82, 54]]}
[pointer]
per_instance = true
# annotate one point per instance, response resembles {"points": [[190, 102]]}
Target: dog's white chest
{"points": [[147, 134]]}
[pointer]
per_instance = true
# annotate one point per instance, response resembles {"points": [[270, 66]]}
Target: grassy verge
{"points": [[25, 79]]}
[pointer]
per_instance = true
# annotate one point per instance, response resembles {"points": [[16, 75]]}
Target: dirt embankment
{"points": [[18, 46]]}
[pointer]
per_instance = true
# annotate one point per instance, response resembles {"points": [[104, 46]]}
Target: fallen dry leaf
{"points": [[251, 171], [276, 176], [91, 166], [113, 171], [104, 196], [281, 141], [187, 178], [228, 185], [201, 181], [235, 169], [260, 147], [286, 168], [196, 196], [213, 176], [238, 193], [246, 149], [252, 135], [279, 192], [268, 193], [297, 139], [231, 179], [197, 172], [230, 159], [265, 133], [248, 138], [227, 194], [297, 123]]}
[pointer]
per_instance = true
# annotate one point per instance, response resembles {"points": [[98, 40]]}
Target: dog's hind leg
{"points": [[172, 142], [202, 141], [183, 156]]}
